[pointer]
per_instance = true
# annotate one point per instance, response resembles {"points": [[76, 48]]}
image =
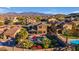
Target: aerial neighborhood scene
{"points": [[39, 29]]}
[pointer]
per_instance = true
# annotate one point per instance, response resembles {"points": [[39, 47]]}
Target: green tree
{"points": [[1, 23], [22, 20], [38, 18], [46, 42], [2, 36], [60, 17], [27, 44], [22, 35], [7, 21]]}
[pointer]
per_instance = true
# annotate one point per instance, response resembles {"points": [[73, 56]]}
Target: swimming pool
{"points": [[74, 41]]}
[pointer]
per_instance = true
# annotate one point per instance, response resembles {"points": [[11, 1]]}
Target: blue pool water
{"points": [[8, 43], [74, 42]]}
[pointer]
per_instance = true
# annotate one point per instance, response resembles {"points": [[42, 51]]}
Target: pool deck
{"points": [[64, 39]]}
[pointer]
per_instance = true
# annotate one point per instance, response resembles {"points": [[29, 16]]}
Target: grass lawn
{"points": [[71, 37]]}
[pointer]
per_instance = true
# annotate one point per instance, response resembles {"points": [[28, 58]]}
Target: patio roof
{"points": [[32, 30]]}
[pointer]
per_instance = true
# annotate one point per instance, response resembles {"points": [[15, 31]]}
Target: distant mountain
{"points": [[74, 14], [33, 13], [60, 15], [37, 14], [9, 14], [27, 14]]}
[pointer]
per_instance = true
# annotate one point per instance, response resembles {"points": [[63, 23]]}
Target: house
{"points": [[42, 28], [15, 19], [76, 22], [1, 19], [30, 20], [12, 31], [37, 28], [3, 28], [12, 18], [68, 26], [52, 20]]}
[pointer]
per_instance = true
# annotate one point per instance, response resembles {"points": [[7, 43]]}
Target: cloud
{"points": [[75, 12]]}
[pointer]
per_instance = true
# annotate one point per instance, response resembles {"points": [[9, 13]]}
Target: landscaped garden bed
{"points": [[70, 36]]}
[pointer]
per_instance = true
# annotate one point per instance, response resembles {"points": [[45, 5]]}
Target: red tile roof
{"points": [[12, 31]]}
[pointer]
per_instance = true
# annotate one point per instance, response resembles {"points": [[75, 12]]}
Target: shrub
{"points": [[39, 47], [46, 42], [1, 36], [1, 23], [34, 47], [26, 44]]}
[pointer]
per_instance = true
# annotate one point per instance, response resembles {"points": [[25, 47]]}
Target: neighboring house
{"points": [[12, 31], [71, 28], [68, 26], [3, 28], [30, 20], [76, 22], [52, 20], [2, 19], [15, 19]]}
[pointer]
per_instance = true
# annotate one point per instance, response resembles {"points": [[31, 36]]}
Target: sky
{"points": [[46, 10]]}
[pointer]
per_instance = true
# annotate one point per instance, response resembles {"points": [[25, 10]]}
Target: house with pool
{"points": [[9, 31], [71, 32]]}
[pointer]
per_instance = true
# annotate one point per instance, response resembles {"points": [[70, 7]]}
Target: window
{"points": [[40, 26], [39, 32], [44, 31]]}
